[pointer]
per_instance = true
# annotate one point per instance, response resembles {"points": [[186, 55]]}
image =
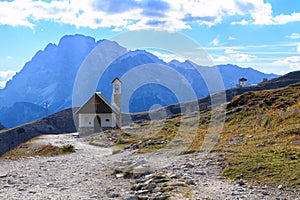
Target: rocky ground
{"points": [[93, 172]]}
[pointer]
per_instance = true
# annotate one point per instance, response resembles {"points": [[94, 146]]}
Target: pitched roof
{"points": [[102, 106], [113, 107], [116, 78]]}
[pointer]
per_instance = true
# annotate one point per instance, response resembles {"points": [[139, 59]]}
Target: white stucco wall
{"points": [[107, 120], [243, 83]]}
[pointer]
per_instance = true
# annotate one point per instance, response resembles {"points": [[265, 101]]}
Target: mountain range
{"points": [[48, 79], [1, 126]]}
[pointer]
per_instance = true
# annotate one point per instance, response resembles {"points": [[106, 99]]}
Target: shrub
{"points": [[68, 148]]}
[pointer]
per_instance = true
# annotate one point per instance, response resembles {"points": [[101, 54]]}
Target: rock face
{"points": [[49, 78]]}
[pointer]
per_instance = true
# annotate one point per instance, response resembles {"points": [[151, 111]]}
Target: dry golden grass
{"points": [[261, 136], [268, 122], [31, 149]]}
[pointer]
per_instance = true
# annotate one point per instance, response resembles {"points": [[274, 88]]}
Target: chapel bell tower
{"points": [[117, 100]]}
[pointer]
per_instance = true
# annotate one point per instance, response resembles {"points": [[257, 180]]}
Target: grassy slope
{"points": [[261, 136], [269, 124]]}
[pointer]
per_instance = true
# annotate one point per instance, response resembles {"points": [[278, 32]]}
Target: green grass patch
{"points": [[273, 166]]}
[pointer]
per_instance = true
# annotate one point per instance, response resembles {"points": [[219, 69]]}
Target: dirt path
{"points": [[87, 174]]}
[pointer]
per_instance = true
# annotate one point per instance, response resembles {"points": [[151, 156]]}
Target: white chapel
{"points": [[99, 114]]}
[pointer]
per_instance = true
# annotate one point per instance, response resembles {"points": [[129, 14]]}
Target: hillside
{"points": [[61, 122], [20, 112], [259, 144], [267, 125]]}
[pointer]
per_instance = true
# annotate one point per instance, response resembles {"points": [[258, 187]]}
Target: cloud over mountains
{"points": [[140, 14]]}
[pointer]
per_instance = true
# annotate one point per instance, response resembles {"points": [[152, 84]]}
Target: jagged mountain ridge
{"points": [[50, 75]]}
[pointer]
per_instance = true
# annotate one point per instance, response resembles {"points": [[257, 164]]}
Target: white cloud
{"points": [[231, 38], [298, 48], [284, 19], [215, 42], [230, 51], [237, 56], [2, 84], [293, 62], [6, 76], [240, 57], [137, 14], [295, 66], [293, 36], [221, 59], [242, 22], [167, 57]]}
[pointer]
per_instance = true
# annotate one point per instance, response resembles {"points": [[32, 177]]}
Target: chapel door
{"points": [[97, 124]]}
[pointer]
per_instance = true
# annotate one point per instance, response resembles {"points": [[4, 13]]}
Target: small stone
{"points": [[220, 159], [235, 139], [190, 182], [260, 145], [94, 196], [239, 176], [280, 187], [11, 182], [215, 138], [162, 197], [295, 142], [126, 147], [241, 183], [180, 184], [143, 197], [3, 175], [265, 193], [151, 186], [131, 198], [119, 175], [174, 176], [113, 195], [189, 165], [200, 173], [142, 192], [134, 147]]}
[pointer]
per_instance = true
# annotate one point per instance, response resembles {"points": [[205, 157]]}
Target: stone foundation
{"points": [[85, 131]]}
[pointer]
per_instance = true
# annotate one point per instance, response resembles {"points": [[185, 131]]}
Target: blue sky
{"points": [[264, 35]]}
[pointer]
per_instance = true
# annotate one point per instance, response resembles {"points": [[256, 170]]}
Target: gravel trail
{"points": [[88, 174]]}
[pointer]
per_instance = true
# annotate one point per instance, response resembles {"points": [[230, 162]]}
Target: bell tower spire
{"points": [[117, 92]]}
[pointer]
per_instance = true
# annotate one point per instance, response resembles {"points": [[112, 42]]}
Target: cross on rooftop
{"points": [[96, 103]]}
